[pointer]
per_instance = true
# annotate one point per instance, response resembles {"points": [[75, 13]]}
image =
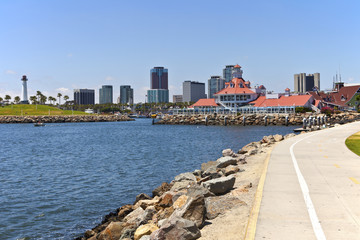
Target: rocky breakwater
{"points": [[255, 119], [63, 118], [181, 208]]}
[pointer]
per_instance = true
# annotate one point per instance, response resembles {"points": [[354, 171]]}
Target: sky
{"points": [[62, 45]]}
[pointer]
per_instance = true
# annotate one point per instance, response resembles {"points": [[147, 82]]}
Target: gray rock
{"points": [[289, 135], [164, 187], [178, 186], [198, 190], [207, 165], [231, 169], [197, 173], [249, 147], [161, 222], [145, 237], [278, 137], [220, 185], [268, 139], [225, 161], [177, 228], [188, 176], [135, 216], [227, 152], [220, 205], [193, 210], [141, 196]]}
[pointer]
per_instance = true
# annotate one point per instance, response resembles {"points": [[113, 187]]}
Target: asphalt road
{"points": [[312, 188]]}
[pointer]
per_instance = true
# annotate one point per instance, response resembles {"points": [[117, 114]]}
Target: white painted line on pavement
{"points": [[319, 233]]}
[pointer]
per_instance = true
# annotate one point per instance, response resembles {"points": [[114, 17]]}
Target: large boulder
{"points": [[180, 201], [220, 185], [250, 149], [142, 196], [145, 203], [207, 165], [228, 152], [278, 137], [225, 161], [188, 176], [115, 230], [220, 205], [193, 210], [268, 139], [289, 135], [177, 228], [166, 200], [143, 230], [198, 190], [231, 169], [124, 210], [183, 185], [164, 187], [136, 216]]}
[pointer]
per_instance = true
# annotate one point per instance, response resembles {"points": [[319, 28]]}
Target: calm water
{"points": [[59, 180]]}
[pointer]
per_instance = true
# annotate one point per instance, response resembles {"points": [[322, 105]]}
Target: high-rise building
{"points": [[24, 96], [177, 98], [126, 94], [158, 96], [159, 92], [304, 83], [159, 78], [84, 96], [193, 91], [227, 73], [106, 94], [215, 84]]}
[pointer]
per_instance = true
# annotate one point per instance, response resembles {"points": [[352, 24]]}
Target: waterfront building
{"points": [[304, 83], [159, 78], [177, 98], [106, 94], [227, 73], [24, 95], [193, 91], [126, 94], [84, 96], [215, 84], [158, 95]]}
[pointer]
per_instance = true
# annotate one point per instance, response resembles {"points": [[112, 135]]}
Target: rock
{"points": [[179, 229], [145, 203], [227, 152], [220, 185], [164, 187], [146, 229], [128, 233], [207, 165], [268, 139], [193, 210], [178, 194], [289, 135], [225, 161], [163, 214], [89, 233], [231, 170], [135, 216], [249, 147], [142, 196], [241, 158], [145, 237], [278, 137], [197, 173], [188, 176], [166, 200], [178, 186], [161, 222], [180, 201], [198, 190], [114, 230], [220, 204], [124, 210]]}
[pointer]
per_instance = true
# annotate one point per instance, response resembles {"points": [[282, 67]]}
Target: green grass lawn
{"points": [[32, 110], [353, 143]]}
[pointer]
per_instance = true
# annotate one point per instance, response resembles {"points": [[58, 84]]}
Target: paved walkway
{"points": [[325, 203]]}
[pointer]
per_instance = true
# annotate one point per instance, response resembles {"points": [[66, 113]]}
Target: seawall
{"points": [[64, 118], [255, 119]]}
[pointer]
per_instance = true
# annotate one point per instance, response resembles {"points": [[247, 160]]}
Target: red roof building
{"points": [[205, 103], [284, 101]]}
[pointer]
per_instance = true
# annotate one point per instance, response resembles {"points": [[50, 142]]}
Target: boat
{"points": [[39, 124]]}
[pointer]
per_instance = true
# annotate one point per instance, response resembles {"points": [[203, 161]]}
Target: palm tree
{"points": [[38, 94], [33, 99], [1, 99], [66, 97], [43, 99], [7, 98], [59, 96], [17, 99]]}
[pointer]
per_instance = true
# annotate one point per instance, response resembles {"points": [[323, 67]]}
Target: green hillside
{"points": [[27, 109], [353, 143]]}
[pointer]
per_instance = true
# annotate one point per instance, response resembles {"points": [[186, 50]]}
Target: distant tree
{"points": [[43, 99], [33, 99], [38, 94], [59, 96], [17, 99], [1, 99], [7, 98], [66, 97]]}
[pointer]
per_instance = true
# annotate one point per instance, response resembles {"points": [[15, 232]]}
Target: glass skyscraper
{"points": [[215, 84], [106, 94], [84, 96], [126, 94], [227, 73], [159, 92], [158, 96]]}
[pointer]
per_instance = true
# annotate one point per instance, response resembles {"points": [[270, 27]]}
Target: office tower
{"points": [[24, 95], [193, 91], [177, 98], [237, 72], [84, 96], [304, 83], [159, 78], [215, 84], [159, 92], [106, 94], [227, 73], [126, 94]]}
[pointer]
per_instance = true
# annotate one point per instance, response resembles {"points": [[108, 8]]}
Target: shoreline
{"points": [[191, 205], [8, 119]]}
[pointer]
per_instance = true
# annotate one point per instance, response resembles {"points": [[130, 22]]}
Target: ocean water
{"points": [[59, 180]]}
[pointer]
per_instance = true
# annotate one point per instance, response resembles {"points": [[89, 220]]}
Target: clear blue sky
{"points": [[67, 44]]}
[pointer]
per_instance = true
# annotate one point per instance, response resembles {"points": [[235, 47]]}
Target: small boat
{"points": [[39, 124]]}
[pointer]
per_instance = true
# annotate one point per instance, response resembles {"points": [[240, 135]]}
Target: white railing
{"points": [[235, 111]]}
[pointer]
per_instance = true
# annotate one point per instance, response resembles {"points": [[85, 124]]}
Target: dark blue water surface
{"points": [[59, 180]]}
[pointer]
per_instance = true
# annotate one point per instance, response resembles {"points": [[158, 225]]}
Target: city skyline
{"points": [[102, 43]]}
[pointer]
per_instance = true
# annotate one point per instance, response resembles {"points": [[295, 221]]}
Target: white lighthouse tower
{"points": [[24, 99]]}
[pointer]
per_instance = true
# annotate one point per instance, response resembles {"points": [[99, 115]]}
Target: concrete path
{"points": [[331, 174]]}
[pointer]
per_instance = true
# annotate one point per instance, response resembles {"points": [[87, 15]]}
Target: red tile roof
{"points": [[237, 66], [205, 102], [233, 87], [295, 100], [340, 98], [287, 89]]}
